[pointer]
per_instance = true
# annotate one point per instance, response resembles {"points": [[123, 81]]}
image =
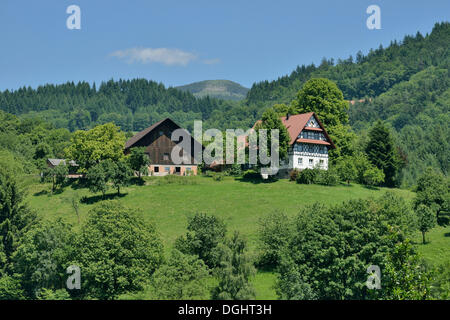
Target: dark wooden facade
{"points": [[157, 141]]}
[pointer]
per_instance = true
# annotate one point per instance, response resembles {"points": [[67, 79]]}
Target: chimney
{"points": [[287, 116]]}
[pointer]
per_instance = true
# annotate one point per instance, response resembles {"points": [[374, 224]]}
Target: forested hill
{"points": [[221, 89], [131, 104], [364, 76]]}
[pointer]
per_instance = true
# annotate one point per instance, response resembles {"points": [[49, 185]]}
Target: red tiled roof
{"points": [[295, 124]]}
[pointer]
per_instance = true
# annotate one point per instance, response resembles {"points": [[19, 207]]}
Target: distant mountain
{"points": [[221, 89]]}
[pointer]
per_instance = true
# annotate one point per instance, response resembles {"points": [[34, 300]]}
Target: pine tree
{"points": [[382, 153]]}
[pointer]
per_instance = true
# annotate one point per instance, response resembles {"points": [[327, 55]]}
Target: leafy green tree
{"points": [[43, 256], [382, 153], [331, 247], [346, 169], [235, 271], [121, 175], [433, 191], [139, 160], [274, 233], [271, 121], [56, 175], [405, 276], [323, 97], [181, 278], [116, 251], [204, 234], [98, 176], [426, 219], [373, 176], [10, 288], [15, 217], [100, 143]]}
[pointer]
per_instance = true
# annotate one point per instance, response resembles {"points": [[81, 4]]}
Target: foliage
{"points": [[346, 169], [139, 160], [56, 175], [90, 147], [43, 256], [274, 234], [271, 121], [204, 235], [373, 176], [181, 278], [251, 175], [332, 247], [426, 219], [433, 191], [440, 288], [328, 177], [381, 152], [293, 175], [235, 271], [98, 176], [405, 277], [121, 175], [10, 288], [15, 217], [307, 176], [116, 251]]}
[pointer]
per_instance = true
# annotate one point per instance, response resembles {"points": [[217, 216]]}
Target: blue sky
{"points": [[178, 42]]}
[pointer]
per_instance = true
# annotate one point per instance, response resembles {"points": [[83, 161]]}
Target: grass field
{"points": [[240, 204]]}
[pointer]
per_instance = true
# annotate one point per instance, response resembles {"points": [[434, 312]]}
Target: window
{"points": [[167, 169], [321, 163], [161, 132], [311, 162], [300, 160], [188, 169], [156, 169], [177, 169], [165, 156]]}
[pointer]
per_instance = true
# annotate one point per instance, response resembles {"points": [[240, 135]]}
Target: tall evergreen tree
{"points": [[382, 153]]}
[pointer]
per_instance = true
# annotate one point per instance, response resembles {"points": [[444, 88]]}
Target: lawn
{"points": [[240, 204]]}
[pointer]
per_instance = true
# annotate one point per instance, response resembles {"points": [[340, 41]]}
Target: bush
{"points": [[293, 175], [373, 176], [217, 176], [328, 177], [307, 176], [251, 175]]}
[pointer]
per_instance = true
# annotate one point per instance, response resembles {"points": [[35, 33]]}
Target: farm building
{"points": [[309, 143], [158, 145]]}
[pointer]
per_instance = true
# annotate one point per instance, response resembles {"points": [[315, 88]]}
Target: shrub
{"points": [[373, 176], [217, 176], [293, 175], [307, 176], [251, 175], [328, 177]]}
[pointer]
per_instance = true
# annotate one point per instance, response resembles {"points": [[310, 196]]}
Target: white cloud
{"points": [[158, 55]]}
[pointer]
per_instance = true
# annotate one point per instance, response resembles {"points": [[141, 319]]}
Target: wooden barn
{"points": [[158, 145]]}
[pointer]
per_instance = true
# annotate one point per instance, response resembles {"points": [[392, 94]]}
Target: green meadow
{"points": [[169, 202]]}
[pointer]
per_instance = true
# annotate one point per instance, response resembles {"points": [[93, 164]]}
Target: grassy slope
{"points": [[240, 204]]}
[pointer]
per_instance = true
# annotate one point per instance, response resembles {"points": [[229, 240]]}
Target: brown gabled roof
{"points": [[297, 122], [138, 136]]}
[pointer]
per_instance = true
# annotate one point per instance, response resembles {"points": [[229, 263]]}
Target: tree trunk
{"points": [[423, 237], [118, 191]]}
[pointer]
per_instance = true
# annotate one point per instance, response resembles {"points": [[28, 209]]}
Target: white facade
{"points": [[307, 156]]}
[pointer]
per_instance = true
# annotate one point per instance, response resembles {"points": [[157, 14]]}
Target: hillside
{"points": [[221, 89]]}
